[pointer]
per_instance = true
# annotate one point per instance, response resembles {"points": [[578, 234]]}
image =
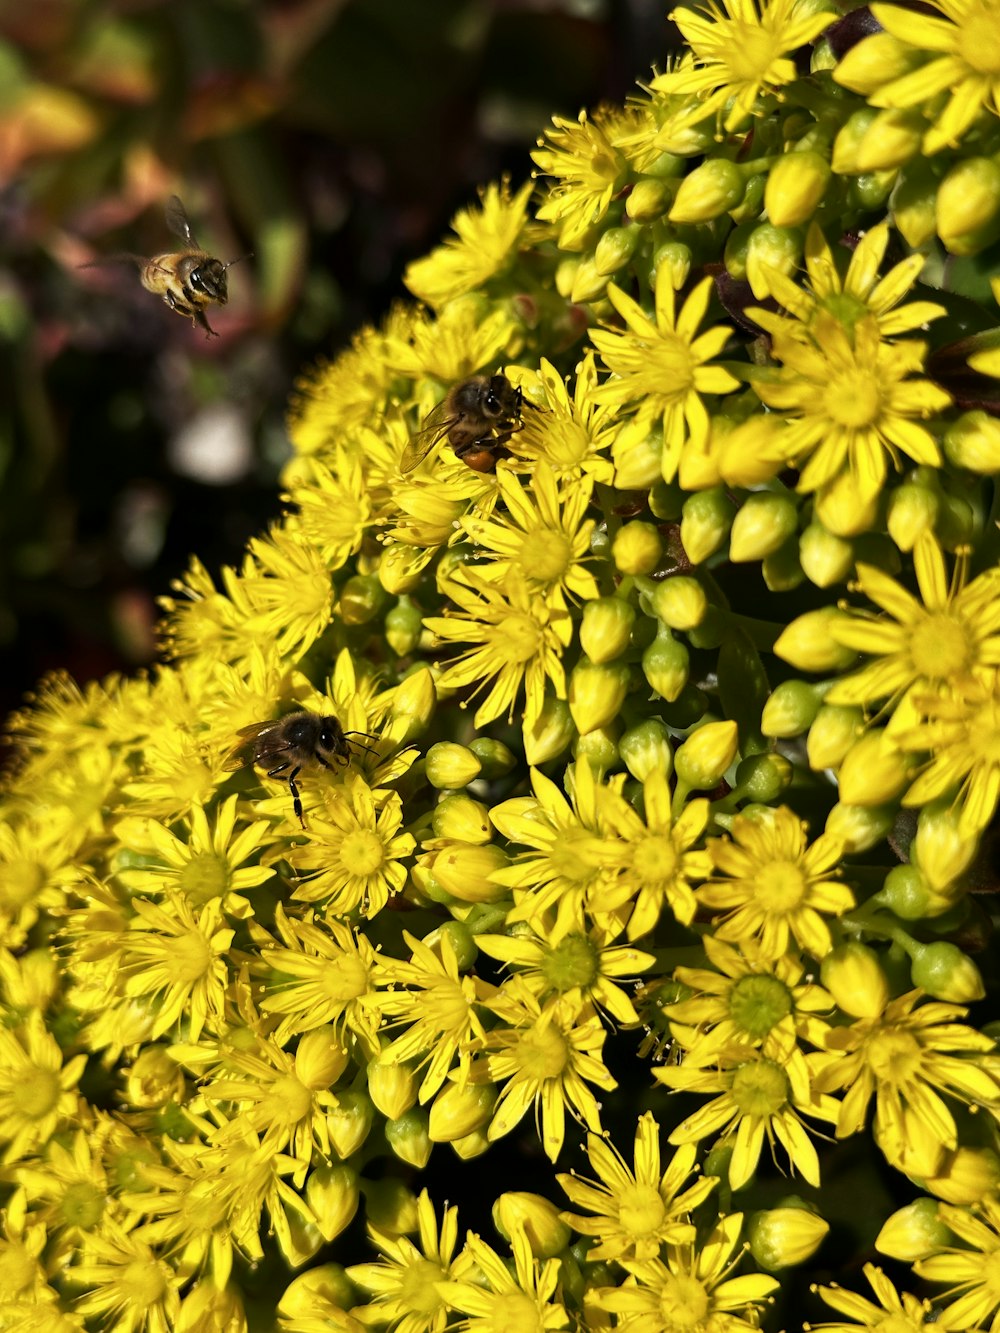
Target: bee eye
{"points": [[326, 739], [492, 403]]}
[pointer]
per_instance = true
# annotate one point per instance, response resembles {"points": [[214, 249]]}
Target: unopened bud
{"points": [[967, 210], [973, 442], [332, 1194], [497, 759], [327, 1287], [873, 62], [891, 140], [362, 598], [807, 644], [964, 1177], [413, 703], [844, 509], [403, 627], [680, 602], [408, 1138], [599, 747], [795, 186], [605, 628], [154, 1079], [860, 827], [854, 977], [790, 709], [835, 729], [763, 777], [465, 872], [460, 1109], [665, 664], [548, 735], [649, 199], [391, 1086], [825, 558], [646, 749], [615, 248], [913, 203], [913, 510], [461, 819], [588, 282], [349, 1122], [596, 693], [913, 1232], [771, 247], [391, 1207], [676, 259], [847, 145], [709, 191], [906, 892], [946, 973], [637, 548], [450, 765], [701, 762], [761, 526], [472, 1145], [873, 771], [320, 1058], [941, 850], [401, 567], [783, 1237], [539, 1219], [781, 570], [706, 520]]}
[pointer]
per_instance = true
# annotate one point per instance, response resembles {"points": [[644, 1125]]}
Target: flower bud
{"points": [[847, 145], [401, 566], [596, 693], [391, 1086], [322, 1288], [362, 599], [973, 442], [536, 1217], [408, 1138], [549, 733], [790, 709], [860, 827], [637, 548], [460, 941], [706, 520], [762, 525], [676, 258], [843, 509], [913, 203], [391, 1207], [891, 140], [588, 283], [450, 765], [873, 62], [403, 627], [873, 771], [645, 749], [906, 892], [940, 849], [154, 1079], [605, 628], [680, 602], [665, 664], [795, 186], [472, 1145], [413, 702], [599, 747], [913, 510], [649, 199], [349, 1122], [966, 1176], [332, 1194], [946, 973], [320, 1059], [854, 977], [770, 247], [638, 459], [832, 734], [913, 1232], [709, 191], [825, 558], [497, 759], [763, 777], [566, 275], [464, 872], [461, 819], [807, 644], [615, 248], [967, 209], [459, 1110], [781, 570], [701, 762], [785, 1236]]}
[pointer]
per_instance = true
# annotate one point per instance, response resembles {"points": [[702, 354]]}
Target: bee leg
{"points": [[296, 802], [199, 317], [322, 762]]}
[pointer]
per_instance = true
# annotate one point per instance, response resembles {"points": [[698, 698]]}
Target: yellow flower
{"points": [[969, 1268], [572, 434], [689, 1290], [900, 1313], [774, 886], [133, 1289], [521, 1301], [663, 366], [742, 51], [334, 507], [634, 1214], [849, 400], [519, 640], [37, 1087], [289, 591], [588, 168]]}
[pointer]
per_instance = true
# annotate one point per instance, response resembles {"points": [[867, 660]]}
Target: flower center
{"points": [[22, 880], [513, 1312], [141, 1284], [82, 1206], [545, 555], [654, 859], [684, 1302], [940, 647], [205, 876], [780, 887], [362, 853], [853, 398], [36, 1094], [760, 1088], [517, 639], [640, 1210], [573, 963], [445, 1006], [977, 40], [758, 1004], [191, 956], [893, 1056], [543, 1054], [344, 978], [18, 1269], [672, 368], [288, 1102], [749, 53], [417, 1290]]}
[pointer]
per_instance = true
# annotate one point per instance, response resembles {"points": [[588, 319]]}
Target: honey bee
{"points": [[188, 280], [478, 415], [295, 742]]}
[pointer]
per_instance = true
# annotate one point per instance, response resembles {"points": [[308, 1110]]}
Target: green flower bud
{"points": [[326, 1286], [401, 566], [605, 628], [459, 1110], [825, 558], [677, 258], [349, 1122], [892, 139], [771, 247], [795, 186], [665, 664], [332, 1194], [596, 693], [497, 759], [957, 521], [702, 761], [807, 644], [906, 892], [451, 765], [873, 771], [709, 191], [762, 525], [362, 599], [763, 777], [464, 872], [869, 191], [680, 602], [536, 1217], [637, 548], [873, 62], [649, 199], [751, 205], [967, 210], [847, 145], [706, 522], [781, 570], [913, 203], [853, 975], [973, 442], [599, 747], [588, 282], [615, 248], [939, 848], [946, 973], [461, 819], [913, 510], [320, 1059], [860, 827], [408, 1138], [737, 246], [666, 499], [566, 276], [783, 1237], [391, 1207], [638, 463], [549, 734], [914, 1232], [461, 939], [391, 1086], [790, 709], [646, 749], [831, 735], [403, 626], [413, 702]]}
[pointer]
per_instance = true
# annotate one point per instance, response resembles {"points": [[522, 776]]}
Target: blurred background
{"points": [[332, 138]]}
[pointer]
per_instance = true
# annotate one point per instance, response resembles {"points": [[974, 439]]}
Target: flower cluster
{"points": [[642, 740]]}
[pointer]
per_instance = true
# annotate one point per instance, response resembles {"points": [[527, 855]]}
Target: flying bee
{"points": [[188, 280], [287, 745], [478, 415]]}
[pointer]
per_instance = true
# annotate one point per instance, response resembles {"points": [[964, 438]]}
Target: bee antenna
{"points": [[238, 261]]}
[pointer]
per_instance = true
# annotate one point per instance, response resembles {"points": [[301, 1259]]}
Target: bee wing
{"points": [[177, 221], [436, 425], [122, 257], [240, 755]]}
